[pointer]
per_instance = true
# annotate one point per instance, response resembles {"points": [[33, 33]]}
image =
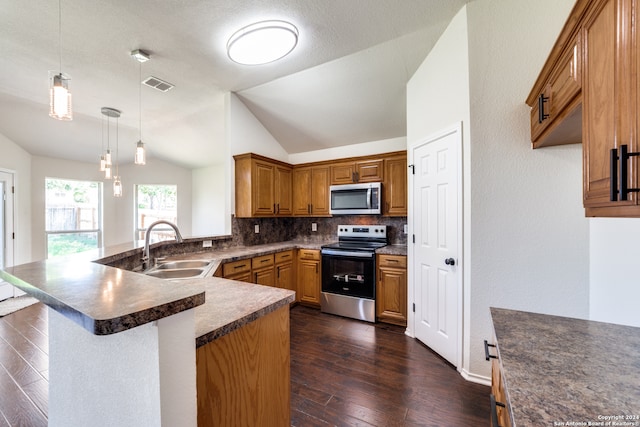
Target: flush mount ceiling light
{"points": [[262, 42]]}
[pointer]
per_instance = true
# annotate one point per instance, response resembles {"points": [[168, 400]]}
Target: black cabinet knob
{"points": [[450, 261]]}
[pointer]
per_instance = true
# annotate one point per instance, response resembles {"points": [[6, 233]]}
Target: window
{"points": [[73, 217], [153, 203]]}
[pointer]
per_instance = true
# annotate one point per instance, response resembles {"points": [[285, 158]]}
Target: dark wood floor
{"points": [[343, 372]]}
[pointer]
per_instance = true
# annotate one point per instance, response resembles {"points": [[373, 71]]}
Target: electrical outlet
{"points": [[256, 228], [406, 229], [314, 226], [207, 243]]}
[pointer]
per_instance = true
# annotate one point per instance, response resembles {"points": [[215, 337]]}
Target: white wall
{"points": [[354, 150], [613, 273], [209, 201], [529, 238], [17, 161], [118, 213]]}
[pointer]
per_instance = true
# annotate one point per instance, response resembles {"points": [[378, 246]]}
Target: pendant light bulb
{"points": [[107, 172], [103, 163], [117, 187], [140, 158]]}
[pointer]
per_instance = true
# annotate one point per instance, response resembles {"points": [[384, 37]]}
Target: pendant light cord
{"points": [[140, 101], [60, 35], [117, 149]]}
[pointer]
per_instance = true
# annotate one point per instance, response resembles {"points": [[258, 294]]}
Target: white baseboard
{"points": [[479, 379]]}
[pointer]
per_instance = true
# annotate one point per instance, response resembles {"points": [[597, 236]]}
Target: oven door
{"points": [[349, 273]]}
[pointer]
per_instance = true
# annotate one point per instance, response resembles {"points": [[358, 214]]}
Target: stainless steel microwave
{"points": [[355, 199]]}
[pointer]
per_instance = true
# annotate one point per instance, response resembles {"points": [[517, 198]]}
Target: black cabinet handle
{"points": [[494, 410], [488, 356], [621, 173], [541, 101], [613, 175]]}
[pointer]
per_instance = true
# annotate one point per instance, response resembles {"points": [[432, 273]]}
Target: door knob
{"points": [[450, 261]]}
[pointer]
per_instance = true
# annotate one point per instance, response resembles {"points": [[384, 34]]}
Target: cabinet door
{"points": [[283, 191], [301, 180], [343, 173], [497, 389], [265, 276], [320, 191], [608, 109], [369, 171], [284, 276], [391, 291], [395, 187], [263, 176], [309, 276]]}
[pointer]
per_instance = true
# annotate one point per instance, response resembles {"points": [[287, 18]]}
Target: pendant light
{"points": [[117, 184], [108, 170], [59, 95], [103, 160], [140, 156]]}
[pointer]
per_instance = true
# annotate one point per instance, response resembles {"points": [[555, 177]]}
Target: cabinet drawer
{"points": [[309, 254], [284, 256], [236, 267], [262, 261], [397, 261]]}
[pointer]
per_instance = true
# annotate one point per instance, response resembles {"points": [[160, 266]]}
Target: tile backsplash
{"points": [[272, 230]]}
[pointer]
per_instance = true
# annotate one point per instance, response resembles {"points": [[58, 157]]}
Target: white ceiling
{"points": [[343, 84]]}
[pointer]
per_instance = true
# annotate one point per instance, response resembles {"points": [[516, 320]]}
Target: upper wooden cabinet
{"points": [[589, 88], [269, 188], [263, 187], [358, 171], [394, 187], [311, 191]]}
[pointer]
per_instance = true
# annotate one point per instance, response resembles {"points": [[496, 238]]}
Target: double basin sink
{"points": [[181, 269]]}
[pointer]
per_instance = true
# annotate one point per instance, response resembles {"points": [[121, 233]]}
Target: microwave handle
{"points": [[369, 198]]}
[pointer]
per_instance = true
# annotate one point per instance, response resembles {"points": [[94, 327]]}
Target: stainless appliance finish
{"points": [[355, 199], [349, 271]]}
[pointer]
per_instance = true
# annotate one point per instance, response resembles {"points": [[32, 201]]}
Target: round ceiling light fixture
{"points": [[262, 42]]}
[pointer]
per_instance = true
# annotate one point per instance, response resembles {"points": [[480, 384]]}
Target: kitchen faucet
{"points": [[145, 252]]}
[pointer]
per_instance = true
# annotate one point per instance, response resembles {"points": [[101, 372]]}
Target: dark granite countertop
{"points": [[393, 250], [561, 371]]}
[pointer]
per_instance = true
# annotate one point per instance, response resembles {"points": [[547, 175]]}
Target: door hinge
{"points": [[414, 307], [13, 189], [413, 238], [13, 235], [413, 169]]}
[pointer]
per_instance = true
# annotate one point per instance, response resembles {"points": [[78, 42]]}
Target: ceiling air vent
{"points": [[157, 84]]}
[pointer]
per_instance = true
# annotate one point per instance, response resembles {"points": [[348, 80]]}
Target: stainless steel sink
{"points": [[181, 268], [182, 273], [170, 265]]}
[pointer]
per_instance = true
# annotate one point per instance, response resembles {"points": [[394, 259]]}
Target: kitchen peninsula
{"points": [[123, 344]]}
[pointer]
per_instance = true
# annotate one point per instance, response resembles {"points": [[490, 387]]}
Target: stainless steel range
{"points": [[349, 271]]}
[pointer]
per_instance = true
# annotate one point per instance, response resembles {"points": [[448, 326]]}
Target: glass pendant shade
{"points": [[60, 98], [103, 163], [117, 187], [107, 172], [140, 158], [107, 158]]}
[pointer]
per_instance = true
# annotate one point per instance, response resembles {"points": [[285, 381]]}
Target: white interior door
{"points": [[6, 230], [436, 221]]}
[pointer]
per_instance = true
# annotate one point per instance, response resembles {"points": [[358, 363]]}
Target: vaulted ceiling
{"points": [[343, 84]]}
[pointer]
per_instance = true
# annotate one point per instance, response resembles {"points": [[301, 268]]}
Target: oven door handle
{"points": [[348, 253]]}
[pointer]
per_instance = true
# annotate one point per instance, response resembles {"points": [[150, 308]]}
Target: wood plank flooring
{"points": [[343, 373]]}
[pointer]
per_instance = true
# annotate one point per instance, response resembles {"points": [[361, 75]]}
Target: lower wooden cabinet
{"points": [[262, 270], [285, 271], [237, 270], [391, 289], [309, 277]]}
